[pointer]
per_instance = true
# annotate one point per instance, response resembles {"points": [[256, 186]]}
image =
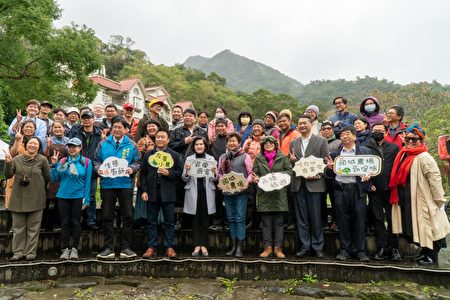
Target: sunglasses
{"points": [[327, 128], [411, 139]]}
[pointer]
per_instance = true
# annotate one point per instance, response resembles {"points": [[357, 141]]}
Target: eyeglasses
{"points": [[327, 128], [411, 139], [269, 142]]}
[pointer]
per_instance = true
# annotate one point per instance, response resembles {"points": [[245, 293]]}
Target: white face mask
{"points": [[369, 108], [220, 115]]}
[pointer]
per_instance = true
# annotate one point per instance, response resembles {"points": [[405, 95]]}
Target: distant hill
{"points": [[245, 75]]}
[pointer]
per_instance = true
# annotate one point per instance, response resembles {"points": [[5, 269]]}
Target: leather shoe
{"points": [[302, 253], [427, 261], [320, 254], [381, 255], [170, 253], [363, 257], [343, 255], [149, 253]]}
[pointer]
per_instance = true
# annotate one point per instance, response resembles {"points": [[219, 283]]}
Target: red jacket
{"points": [[397, 137]]}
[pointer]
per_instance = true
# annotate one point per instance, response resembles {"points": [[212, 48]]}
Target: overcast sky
{"points": [[400, 40]]}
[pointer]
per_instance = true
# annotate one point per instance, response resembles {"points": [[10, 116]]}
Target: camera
{"points": [[24, 180]]}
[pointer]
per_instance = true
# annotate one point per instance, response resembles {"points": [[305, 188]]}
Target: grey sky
{"points": [[400, 40]]}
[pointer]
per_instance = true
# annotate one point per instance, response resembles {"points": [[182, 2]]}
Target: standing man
{"points": [[394, 118], [90, 137], [307, 190], [99, 112], [32, 110], [159, 191], [342, 116], [177, 117], [387, 242], [350, 200], [128, 111], [155, 110], [46, 108], [106, 122], [117, 144], [287, 133]]}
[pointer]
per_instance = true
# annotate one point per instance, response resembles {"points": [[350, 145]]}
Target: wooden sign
{"points": [[309, 166], [357, 165], [161, 159], [201, 167], [274, 181], [233, 182], [114, 167]]}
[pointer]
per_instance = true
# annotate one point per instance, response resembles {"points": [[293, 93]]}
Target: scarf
{"points": [[59, 140], [400, 169], [70, 163], [229, 157], [270, 156]]}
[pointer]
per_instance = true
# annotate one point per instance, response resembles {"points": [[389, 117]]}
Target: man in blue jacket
{"points": [[342, 116], [117, 144]]}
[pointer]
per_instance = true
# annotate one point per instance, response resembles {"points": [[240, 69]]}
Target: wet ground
{"points": [[308, 287]]}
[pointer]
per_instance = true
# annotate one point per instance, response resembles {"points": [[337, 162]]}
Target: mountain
{"points": [[245, 75]]}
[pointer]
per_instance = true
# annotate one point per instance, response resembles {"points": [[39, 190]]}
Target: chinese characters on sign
{"points": [[274, 181], [202, 168], [357, 165], [114, 167], [233, 183], [309, 166], [161, 159]]}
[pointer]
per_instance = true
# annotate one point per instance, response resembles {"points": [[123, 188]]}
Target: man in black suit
{"points": [[307, 191], [159, 191]]}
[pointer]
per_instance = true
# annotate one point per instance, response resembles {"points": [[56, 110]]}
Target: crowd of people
{"points": [[58, 162]]}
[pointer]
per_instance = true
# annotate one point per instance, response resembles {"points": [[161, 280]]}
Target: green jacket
{"points": [[275, 200]]}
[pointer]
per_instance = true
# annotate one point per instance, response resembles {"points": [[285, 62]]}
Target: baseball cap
{"points": [[88, 114], [156, 101], [128, 106], [46, 103], [73, 109], [74, 141]]}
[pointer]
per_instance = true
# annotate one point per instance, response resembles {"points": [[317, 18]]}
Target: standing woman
{"points": [[271, 205], [199, 198], [73, 195], [27, 198], [362, 128], [236, 204], [417, 197]]}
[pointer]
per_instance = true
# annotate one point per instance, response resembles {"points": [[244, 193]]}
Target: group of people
{"points": [[62, 160]]}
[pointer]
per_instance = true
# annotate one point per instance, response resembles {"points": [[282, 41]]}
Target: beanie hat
{"points": [[287, 112], [314, 108], [271, 114], [267, 139], [259, 122]]}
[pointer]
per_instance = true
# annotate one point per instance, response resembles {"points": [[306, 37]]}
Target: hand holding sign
{"points": [[114, 167], [200, 167], [161, 159], [233, 183], [274, 181], [357, 165], [309, 167]]}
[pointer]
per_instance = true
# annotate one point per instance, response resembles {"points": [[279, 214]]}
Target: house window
{"points": [[136, 91], [138, 103]]}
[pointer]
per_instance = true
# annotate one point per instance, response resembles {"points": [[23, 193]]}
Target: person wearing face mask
{"points": [[222, 114], [380, 207], [244, 126], [370, 109]]}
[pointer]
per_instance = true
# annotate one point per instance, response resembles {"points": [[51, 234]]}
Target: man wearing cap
{"points": [[90, 136], [313, 112], [350, 199], [307, 190], [114, 189], [342, 116], [46, 108], [155, 110], [270, 124], [32, 110], [73, 115], [128, 110]]}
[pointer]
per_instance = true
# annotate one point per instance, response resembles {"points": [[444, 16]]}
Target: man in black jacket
{"points": [[350, 200], [90, 136], [159, 191], [387, 243]]}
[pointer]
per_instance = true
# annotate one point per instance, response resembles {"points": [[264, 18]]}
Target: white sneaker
{"points": [[73, 253], [65, 254]]}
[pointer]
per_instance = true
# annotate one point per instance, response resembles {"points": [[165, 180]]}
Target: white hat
{"points": [[73, 109]]}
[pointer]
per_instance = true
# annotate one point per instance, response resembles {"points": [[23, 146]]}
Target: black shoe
{"points": [[302, 253], [363, 257], [320, 254], [93, 227], [106, 254], [233, 248], [418, 257], [427, 261], [343, 255], [239, 252], [381, 255], [127, 253], [395, 255]]}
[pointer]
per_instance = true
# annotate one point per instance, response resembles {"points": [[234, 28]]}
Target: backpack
{"points": [[86, 161]]}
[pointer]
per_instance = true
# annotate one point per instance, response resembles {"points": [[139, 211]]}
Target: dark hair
{"points": [[399, 110], [244, 113], [57, 122], [35, 102], [162, 130], [85, 108], [234, 135], [284, 115], [340, 97], [153, 121], [305, 117], [25, 123], [204, 112], [348, 128], [119, 119], [364, 120], [59, 109], [27, 140], [191, 150], [386, 127], [190, 111], [111, 105], [221, 121], [223, 109], [175, 106]]}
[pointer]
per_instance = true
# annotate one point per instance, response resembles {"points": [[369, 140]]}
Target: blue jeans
{"points": [[92, 209], [236, 208], [168, 210]]}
